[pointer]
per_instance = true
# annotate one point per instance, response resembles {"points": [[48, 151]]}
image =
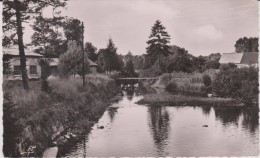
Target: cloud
{"points": [[209, 32], [156, 8]]}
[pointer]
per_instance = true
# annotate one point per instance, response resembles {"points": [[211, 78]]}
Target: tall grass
{"points": [[42, 115], [188, 83]]}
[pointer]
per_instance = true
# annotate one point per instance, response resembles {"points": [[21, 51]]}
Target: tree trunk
{"points": [[21, 46], [158, 61]]}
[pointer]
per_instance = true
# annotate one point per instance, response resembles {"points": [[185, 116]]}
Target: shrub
{"points": [[206, 80], [237, 83], [206, 90], [172, 87], [224, 67], [165, 78], [70, 63], [196, 80]]}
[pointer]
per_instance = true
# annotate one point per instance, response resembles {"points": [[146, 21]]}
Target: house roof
{"points": [[239, 58], [231, 58], [15, 52], [91, 63], [29, 53], [55, 62], [249, 58]]}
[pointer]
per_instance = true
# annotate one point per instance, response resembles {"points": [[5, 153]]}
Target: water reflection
{"points": [[250, 119], [111, 113], [159, 126], [84, 147], [232, 115], [228, 115], [142, 130], [129, 94], [206, 110]]}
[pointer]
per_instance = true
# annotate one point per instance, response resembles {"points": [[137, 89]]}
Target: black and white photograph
{"points": [[130, 78]]}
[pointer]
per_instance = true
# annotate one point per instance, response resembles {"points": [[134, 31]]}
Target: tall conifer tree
{"points": [[158, 43]]}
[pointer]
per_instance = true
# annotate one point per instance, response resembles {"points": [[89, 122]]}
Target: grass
{"points": [[183, 89], [188, 84], [67, 106], [186, 100]]}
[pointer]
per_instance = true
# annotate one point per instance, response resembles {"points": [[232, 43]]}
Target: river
{"points": [[142, 130]]}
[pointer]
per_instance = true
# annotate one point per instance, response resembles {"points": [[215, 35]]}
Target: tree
{"points": [[108, 58], [45, 73], [73, 30], [91, 51], [157, 43], [70, 63], [199, 63], [181, 62], [212, 64], [247, 44], [46, 36], [14, 14], [129, 57], [138, 62]]}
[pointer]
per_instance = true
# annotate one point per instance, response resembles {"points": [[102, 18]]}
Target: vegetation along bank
{"points": [[48, 118], [230, 86]]}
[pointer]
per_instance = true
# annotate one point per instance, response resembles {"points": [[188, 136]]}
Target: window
{"points": [[33, 69], [17, 70]]}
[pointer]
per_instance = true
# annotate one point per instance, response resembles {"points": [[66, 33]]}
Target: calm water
{"points": [[141, 130]]}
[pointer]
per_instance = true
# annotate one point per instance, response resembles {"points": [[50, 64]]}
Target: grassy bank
{"points": [[185, 89], [43, 119], [186, 100]]}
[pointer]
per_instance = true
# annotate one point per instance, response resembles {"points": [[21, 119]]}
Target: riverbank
{"points": [[51, 118], [161, 97]]}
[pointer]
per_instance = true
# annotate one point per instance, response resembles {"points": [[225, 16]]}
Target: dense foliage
{"points": [[71, 63], [181, 62], [73, 30], [108, 59], [206, 80], [46, 37], [157, 44], [247, 44], [172, 87], [237, 83], [91, 51]]}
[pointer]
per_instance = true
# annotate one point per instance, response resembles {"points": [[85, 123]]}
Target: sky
{"points": [[200, 26]]}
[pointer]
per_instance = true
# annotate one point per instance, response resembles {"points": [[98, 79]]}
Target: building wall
{"points": [[30, 61], [93, 69]]}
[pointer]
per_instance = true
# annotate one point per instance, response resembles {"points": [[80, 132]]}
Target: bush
{"points": [[206, 90], [172, 87], [196, 80], [224, 67], [165, 78], [237, 83], [206, 80]]}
